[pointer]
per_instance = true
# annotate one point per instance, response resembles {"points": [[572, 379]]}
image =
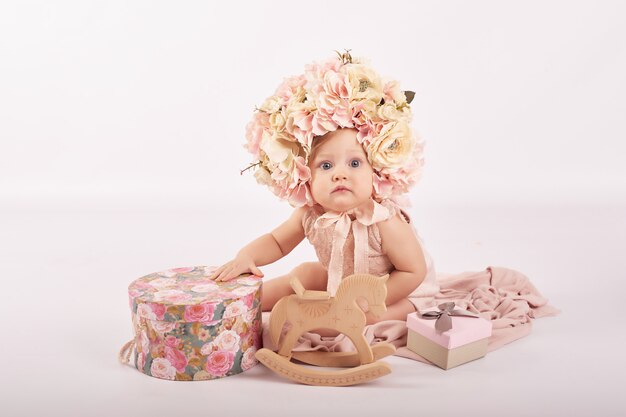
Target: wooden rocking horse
{"points": [[307, 310]]}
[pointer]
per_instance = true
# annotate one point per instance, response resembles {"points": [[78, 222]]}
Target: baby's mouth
{"points": [[340, 189]]}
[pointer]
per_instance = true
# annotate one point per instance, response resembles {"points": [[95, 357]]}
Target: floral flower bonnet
{"points": [[341, 92]]}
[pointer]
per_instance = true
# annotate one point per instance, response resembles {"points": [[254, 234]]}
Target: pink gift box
{"points": [[464, 342]]}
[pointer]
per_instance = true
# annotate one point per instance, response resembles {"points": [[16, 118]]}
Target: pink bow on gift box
{"points": [[444, 322]]}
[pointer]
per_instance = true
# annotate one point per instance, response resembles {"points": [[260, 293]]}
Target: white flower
{"points": [[248, 360], [235, 308], [227, 340], [162, 368], [144, 310], [163, 327]]}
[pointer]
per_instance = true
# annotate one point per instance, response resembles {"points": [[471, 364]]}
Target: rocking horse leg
{"points": [[287, 344], [362, 347]]}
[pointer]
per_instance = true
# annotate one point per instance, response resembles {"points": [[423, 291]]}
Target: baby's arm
{"points": [[405, 253], [264, 250]]}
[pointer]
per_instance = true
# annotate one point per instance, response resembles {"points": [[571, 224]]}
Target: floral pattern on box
{"points": [[188, 327]]}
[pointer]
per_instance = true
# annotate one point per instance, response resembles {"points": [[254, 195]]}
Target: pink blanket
{"points": [[504, 296]]}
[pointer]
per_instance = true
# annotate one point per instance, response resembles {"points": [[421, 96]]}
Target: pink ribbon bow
{"points": [[374, 213]]}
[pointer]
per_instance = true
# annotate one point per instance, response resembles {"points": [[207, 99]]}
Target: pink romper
{"points": [[378, 262]]}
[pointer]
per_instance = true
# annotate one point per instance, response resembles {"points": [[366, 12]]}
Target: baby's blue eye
{"points": [[355, 163], [326, 165]]}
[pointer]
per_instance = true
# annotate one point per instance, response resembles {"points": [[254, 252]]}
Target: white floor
{"points": [[64, 315]]}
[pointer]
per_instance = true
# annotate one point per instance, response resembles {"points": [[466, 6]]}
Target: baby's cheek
{"points": [[313, 186]]}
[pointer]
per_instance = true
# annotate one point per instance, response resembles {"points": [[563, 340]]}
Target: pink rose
{"points": [[158, 310], [218, 363], [200, 312], [176, 358], [171, 341], [248, 300]]}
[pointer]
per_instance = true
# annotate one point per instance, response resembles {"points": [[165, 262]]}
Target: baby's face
{"points": [[341, 176]]}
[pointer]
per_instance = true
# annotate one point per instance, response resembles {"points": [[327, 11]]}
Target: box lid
{"points": [[464, 330], [187, 294]]}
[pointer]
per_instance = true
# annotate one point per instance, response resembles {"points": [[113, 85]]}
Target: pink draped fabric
{"points": [[502, 295]]}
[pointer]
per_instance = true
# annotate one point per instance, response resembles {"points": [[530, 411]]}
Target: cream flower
{"points": [[364, 83], [277, 121], [278, 148], [298, 122], [271, 105], [391, 112], [392, 147], [262, 176], [297, 96]]}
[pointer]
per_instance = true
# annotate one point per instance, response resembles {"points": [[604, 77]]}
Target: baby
{"points": [[326, 142]]}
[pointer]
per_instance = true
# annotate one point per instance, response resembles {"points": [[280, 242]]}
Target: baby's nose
{"points": [[339, 175]]}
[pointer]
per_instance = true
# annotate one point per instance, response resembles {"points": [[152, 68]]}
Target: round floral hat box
{"points": [[189, 328]]}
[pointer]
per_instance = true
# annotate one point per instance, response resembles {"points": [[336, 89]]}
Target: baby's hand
{"points": [[234, 268]]}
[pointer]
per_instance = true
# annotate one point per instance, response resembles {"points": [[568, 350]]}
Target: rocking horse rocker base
{"points": [[309, 310]]}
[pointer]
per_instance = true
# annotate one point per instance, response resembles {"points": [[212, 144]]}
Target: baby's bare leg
{"points": [[312, 275]]}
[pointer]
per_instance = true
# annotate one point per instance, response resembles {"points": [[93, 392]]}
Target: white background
{"points": [[121, 133]]}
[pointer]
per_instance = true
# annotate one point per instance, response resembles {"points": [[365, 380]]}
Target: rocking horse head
{"points": [[370, 287]]}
